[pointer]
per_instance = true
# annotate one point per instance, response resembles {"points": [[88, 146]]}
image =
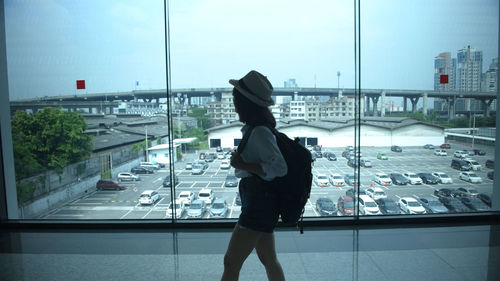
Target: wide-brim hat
{"points": [[255, 87]]}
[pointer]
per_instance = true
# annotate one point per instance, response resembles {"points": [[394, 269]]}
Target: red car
{"points": [[345, 205], [109, 184], [445, 146]]}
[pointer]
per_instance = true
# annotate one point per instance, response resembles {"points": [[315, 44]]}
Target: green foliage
{"points": [[25, 191], [201, 138], [140, 146], [179, 153], [106, 174], [201, 115], [49, 139]]}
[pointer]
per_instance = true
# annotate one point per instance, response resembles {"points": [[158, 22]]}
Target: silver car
{"points": [[197, 169], [218, 209], [196, 209], [128, 177]]}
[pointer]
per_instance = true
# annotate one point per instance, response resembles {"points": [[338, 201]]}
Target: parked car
{"points": [[128, 177], [443, 192], [218, 209], [189, 166], [471, 192], [345, 205], [108, 184], [207, 195], [460, 154], [469, 152], [413, 178], [382, 156], [429, 146], [485, 198], [349, 148], [454, 205], [178, 207], [382, 179], [150, 165], [331, 156], [432, 205], [352, 192], [161, 165], [350, 179], [326, 207], [186, 196], [203, 155], [475, 204], [458, 194], [218, 149], [376, 193], [470, 177], [337, 180], [428, 178], [396, 148], [445, 146], [231, 181], [224, 164], [473, 164], [443, 177], [354, 162], [197, 169], [221, 155], [149, 197], [410, 205], [387, 206], [490, 175], [489, 164], [367, 206], [237, 199], [196, 209], [365, 163], [440, 152], [322, 180], [460, 165], [141, 170], [399, 179], [479, 152], [319, 154], [166, 181]]}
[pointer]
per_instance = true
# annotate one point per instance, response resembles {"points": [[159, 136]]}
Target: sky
{"points": [[113, 44]]}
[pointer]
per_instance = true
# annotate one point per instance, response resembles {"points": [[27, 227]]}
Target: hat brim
{"points": [[249, 96]]}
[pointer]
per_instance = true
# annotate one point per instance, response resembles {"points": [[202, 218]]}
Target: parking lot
{"points": [[124, 204]]}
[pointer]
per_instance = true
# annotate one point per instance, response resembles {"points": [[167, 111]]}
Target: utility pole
{"points": [[147, 156], [473, 129], [338, 79]]}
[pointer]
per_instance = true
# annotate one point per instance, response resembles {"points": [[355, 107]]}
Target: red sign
{"points": [[443, 79], [80, 84]]}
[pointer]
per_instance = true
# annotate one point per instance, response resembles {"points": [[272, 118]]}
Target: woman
{"points": [[260, 161]]}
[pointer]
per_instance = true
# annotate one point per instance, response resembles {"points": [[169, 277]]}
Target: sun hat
{"points": [[255, 87]]}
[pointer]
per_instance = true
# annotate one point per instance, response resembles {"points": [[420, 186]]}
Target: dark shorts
{"points": [[259, 210]]}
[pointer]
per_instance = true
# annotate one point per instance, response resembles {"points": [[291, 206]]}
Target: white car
{"points": [[382, 179], [376, 193], [221, 155], [186, 196], [337, 180], [149, 197], [189, 166], [443, 178], [413, 178], [128, 177], [460, 154], [473, 163], [367, 206], [224, 164], [321, 180], [410, 205], [207, 195], [440, 152], [179, 208], [149, 165], [470, 177]]}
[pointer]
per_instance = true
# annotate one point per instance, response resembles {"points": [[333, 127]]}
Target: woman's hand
{"points": [[236, 160], [238, 163]]}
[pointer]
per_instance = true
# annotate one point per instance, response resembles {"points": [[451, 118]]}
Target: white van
{"points": [[149, 165], [473, 163]]}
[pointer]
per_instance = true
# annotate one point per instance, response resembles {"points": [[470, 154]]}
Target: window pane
{"points": [[429, 71]]}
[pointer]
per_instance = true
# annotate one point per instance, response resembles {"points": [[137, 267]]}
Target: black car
{"points": [[399, 179], [490, 175], [237, 200], [432, 205], [485, 198], [396, 148], [387, 206], [460, 165], [331, 156], [443, 192], [469, 191], [166, 181], [313, 156], [141, 170], [231, 181], [489, 164], [429, 146], [317, 148], [351, 192], [326, 207], [354, 163], [454, 204], [475, 204], [428, 178], [319, 154], [203, 155], [479, 152], [458, 193]]}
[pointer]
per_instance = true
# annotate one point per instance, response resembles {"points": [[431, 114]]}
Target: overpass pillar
{"points": [[487, 104], [405, 101], [382, 102], [375, 101], [424, 108], [367, 104], [451, 108], [295, 96], [414, 101]]}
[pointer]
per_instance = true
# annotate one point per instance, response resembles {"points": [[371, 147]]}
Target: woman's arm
{"points": [[238, 163]]}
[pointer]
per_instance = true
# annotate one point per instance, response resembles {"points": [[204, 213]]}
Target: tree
{"points": [[49, 139], [201, 115]]}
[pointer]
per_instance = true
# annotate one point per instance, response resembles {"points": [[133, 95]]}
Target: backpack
{"points": [[294, 188]]}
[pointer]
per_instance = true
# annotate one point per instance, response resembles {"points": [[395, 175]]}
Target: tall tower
{"points": [[444, 65], [470, 66]]}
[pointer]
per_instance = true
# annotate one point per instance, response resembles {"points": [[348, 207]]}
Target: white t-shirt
{"points": [[262, 148]]}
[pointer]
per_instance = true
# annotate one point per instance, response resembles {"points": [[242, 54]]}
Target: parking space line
{"points": [[232, 206], [130, 210], [312, 207]]}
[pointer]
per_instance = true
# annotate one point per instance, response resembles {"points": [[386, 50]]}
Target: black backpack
{"points": [[294, 188]]}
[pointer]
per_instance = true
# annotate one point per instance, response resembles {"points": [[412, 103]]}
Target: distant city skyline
{"points": [[112, 44]]}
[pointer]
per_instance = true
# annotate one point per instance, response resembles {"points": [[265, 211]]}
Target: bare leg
{"points": [[267, 254], [242, 243]]}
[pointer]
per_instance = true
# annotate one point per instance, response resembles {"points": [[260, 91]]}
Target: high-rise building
{"points": [[490, 82], [469, 70], [444, 65]]}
